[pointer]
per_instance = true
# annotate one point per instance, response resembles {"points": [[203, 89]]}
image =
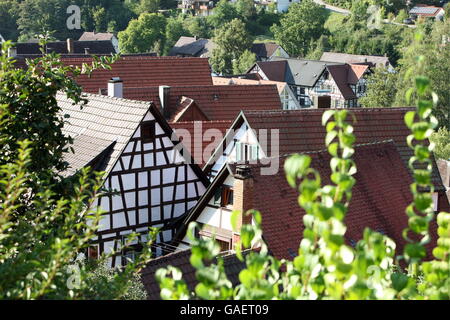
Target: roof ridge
{"points": [[96, 95]]}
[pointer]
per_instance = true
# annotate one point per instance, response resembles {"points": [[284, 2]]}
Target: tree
{"points": [[198, 27], [381, 89], [223, 13], [436, 55], [44, 228], [442, 140], [302, 23], [246, 9], [144, 34], [8, 16], [147, 6], [174, 30], [244, 62], [231, 41]]}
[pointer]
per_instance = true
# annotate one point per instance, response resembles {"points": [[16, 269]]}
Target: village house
{"points": [[198, 47], [373, 61], [101, 36], [317, 84], [427, 12], [196, 7], [148, 182]]}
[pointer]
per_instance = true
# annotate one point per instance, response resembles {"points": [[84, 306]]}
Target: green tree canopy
{"points": [[231, 41], [144, 34], [381, 89], [302, 23]]}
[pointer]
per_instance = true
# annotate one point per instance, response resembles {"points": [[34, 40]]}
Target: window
{"points": [[246, 152], [131, 252], [302, 90], [93, 252], [223, 196], [224, 245], [302, 101], [148, 131]]}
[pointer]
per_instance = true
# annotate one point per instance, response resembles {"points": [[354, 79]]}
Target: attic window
{"points": [[148, 131], [93, 252], [224, 196]]}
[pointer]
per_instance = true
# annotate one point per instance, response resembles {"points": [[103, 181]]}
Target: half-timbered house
{"points": [[149, 182]]}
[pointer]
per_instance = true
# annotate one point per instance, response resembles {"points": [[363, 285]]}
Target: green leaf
{"points": [[409, 118], [415, 251], [399, 281], [422, 83], [327, 115]]}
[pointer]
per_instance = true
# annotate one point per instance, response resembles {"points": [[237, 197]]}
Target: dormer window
{"points": [[246, 152], [224, 196]]}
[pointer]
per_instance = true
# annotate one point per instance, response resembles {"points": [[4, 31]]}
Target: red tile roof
{"points": [[302, 130], [380, 197], [217, 102], [197, 131], [144, 70]]}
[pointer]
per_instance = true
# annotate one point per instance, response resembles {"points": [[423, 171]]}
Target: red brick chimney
{"points": [[242, 197]]}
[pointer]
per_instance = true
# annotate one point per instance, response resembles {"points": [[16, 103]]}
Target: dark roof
{"points": [[264, 50], [191, 46], [145, 70], [180, 260], [302, 130], [95, 36], [94, 47], [355, 58], [274, 70], [302, 72], [217, 102]]}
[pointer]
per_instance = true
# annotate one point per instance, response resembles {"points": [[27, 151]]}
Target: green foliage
{"points": [[231, 40], [381, 89], [144, 34], [45, 222], [174, 30], [224, 12], [434, 63], [245, 61], [9, 14], [327, 268], [442, 140], [302, 23]]}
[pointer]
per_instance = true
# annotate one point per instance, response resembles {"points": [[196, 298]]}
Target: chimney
{"points": [[70, 46], [444, 170], [115, 88], [164, 94], [242, 197], [12, 52]]}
